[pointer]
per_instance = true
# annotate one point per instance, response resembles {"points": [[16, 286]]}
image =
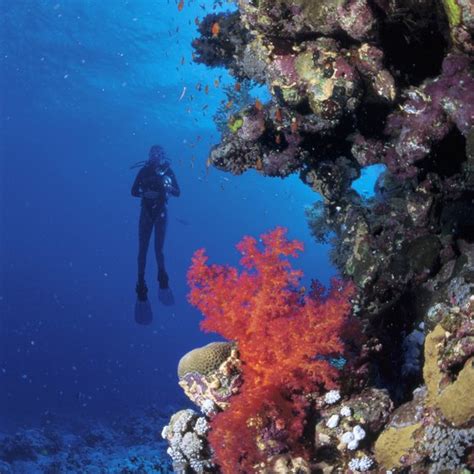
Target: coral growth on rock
{"points": [[210, 375], [188, 446], [354, 83]]}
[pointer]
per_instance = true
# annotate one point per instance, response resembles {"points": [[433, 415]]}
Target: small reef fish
{"points": [[183, 93], [215, 30], [258, 105], [237, 86], [278, 115], [180, 5]]}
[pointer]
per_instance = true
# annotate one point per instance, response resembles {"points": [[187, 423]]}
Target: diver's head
{"points": [[157, 158]]}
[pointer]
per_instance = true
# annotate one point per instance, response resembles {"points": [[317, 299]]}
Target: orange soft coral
{"points": [[285, 340]]}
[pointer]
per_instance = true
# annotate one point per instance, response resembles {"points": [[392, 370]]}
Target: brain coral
{"points": [[206, 359]]}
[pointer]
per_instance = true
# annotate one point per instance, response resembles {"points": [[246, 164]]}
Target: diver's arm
{"points": [[136, 187], [173, 189]]}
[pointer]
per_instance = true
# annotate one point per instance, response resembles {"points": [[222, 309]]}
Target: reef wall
{"points": [[355, 83]]}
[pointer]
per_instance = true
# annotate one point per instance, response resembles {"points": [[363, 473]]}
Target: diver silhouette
{"points": [[154, 182]]}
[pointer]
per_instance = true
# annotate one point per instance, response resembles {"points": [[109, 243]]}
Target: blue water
{"points": [[86, 88]]}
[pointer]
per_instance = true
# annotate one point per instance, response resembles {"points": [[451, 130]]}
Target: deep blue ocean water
{"points": [[86, 88]]}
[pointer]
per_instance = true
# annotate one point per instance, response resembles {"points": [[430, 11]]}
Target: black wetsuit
{"points": [[153, 214]]}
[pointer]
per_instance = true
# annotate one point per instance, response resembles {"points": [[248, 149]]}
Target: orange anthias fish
{"points": [[216, 83], [180, 5], [206, 89], [215, 30], [278, 115], [237, 86], [258, 105]]}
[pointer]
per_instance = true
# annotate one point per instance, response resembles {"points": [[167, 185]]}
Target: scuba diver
{"points": [[154, 183]]}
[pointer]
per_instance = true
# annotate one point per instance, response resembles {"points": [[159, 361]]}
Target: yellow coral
{"points": [[454, 400], [394, 443]]}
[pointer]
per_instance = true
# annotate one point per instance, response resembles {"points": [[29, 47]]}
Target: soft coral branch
{"points": [[285, 338]]}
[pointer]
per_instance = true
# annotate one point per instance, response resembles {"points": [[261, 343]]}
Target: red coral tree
{"points": [[285, 338]]}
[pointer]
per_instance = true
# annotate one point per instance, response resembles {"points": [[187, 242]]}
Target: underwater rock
{"points": [[285, 464], [394, 89], [460, 15], [327, 78], [429, 113], [27, 445], [437, 426], [296, 18], [419, 439], [344, 431], [369, 61], [332, 179], [130, 444], [449, 365], [97, 436], [220, 50], [188, 447], [398, 438], [274, 153], [5, 468], [210, 375]]}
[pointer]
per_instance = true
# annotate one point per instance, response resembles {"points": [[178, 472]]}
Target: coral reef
{"points": [[353, 84]]}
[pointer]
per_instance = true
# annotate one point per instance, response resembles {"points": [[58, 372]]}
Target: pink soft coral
{"points": [[285, 340]]}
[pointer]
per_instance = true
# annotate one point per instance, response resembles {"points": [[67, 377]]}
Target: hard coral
{"points": [[204, 360], [188, 447], [286, 340], [210, 375]]}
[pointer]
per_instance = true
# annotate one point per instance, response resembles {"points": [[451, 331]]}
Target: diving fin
{"points": [[165, 295], [143, 312]]}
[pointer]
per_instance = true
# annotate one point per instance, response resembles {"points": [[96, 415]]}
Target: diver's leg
{"points": [[160, 232], [145, 228]]}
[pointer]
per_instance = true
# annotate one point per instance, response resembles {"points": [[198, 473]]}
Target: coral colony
{"points": [[376, 375]]}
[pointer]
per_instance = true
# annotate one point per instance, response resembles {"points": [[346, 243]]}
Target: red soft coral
{"points": [[285, 340]]}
